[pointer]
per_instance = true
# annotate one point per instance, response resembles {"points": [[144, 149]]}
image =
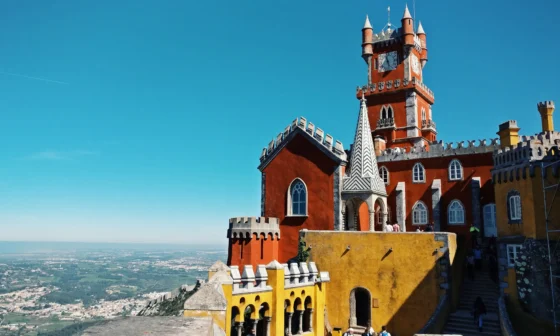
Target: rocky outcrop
{"points": [[170, 304]]}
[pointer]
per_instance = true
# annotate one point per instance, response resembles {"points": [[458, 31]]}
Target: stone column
{"points": [[372, 221], [267, 320], [239, 328], [255, 324], [300, 325], [343, 219], [475, 194], [290, 315], [311, 319], [401, 206], [436, 196]]}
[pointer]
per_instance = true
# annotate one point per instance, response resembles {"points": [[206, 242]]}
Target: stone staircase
{"points": [[462, 322]]}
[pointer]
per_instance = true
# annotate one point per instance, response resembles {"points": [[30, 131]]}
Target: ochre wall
{"points": [[405, 282], [275, 299], [532, 205], [300, 159], [475, 165]]}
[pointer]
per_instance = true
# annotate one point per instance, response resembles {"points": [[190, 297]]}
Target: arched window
{"points": [[384, 174], [514, 207], [418, 173], [389, 112], [456, 213], [383, 113], [297, 198], [423, 114], [455, 170], [419, 214]]}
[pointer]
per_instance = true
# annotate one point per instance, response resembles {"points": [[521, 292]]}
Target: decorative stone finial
{"points": [[367, 24], [406, 14]]}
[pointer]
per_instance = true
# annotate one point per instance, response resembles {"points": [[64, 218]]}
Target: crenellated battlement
{"points": [[439, 149], [547, 104], [246, 227], [295, 275], [529, 149], [393, 85], [301, 125]]}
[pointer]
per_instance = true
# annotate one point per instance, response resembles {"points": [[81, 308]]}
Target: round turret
{"points": [[407, 27], [367, 40], [422, 36]]}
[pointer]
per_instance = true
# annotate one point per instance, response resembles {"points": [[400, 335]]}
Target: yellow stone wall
{"points": [[532, 205], [275, 299], [405, 282]]}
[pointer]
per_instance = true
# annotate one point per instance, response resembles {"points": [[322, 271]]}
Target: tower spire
{"points": [[364, 174], [367, 24], [406, 14]]}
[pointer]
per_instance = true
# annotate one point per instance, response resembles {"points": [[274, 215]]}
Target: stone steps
{"points": [[462, 322]]}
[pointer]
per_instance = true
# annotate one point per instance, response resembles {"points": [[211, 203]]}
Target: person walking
{"points": [[388, 227], [479, 310], [396, 228], [369, 331], [384, 331], [474, 235], [349, 332], [470, 266], [478, 258], [253, 332]]}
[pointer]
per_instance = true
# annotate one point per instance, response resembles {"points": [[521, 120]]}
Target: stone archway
{"points": [[356, 215], [380, 210], [360, 307]]}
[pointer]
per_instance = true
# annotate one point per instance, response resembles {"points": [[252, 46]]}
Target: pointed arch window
{"points": [[456, 213], [418, 173], [419, 214], [297, 198], [423, 114], [383, 113], [455, 170], [389, 112], [384, 174]]}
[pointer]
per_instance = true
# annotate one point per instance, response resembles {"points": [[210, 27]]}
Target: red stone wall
{"points": [[300, 159], [475, 165]]}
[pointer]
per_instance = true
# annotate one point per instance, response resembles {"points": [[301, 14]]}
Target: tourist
{"points": [[349, 332], [388, 227], [478, 258], [396, 228], [429, 228], [369, 331], [384, 331], [252, 333], [470, 266], [479, 310], [474, 235]]}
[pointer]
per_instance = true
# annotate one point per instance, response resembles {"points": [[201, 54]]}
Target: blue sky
{"points": [[143, 121]]}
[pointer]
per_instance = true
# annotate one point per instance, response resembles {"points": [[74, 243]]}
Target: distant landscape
{"points": [[45, 287]]}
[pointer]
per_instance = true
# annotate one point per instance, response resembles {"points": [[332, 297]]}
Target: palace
{"points": [[395, 171], [319, 259]]}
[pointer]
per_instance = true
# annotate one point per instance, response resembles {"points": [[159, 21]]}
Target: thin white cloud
{"points": [[60, 155], [34, 78]]}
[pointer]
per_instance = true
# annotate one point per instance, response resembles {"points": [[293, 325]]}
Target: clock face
{"points": [[387, 61], [415, 64]]}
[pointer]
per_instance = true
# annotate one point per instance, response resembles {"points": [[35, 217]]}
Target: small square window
{"points": [[513, 251]]}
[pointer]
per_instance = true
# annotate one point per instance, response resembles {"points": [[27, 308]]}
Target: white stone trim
{"points": [[418, 203], [451, 178], [289, 212], [455, 201], [423, 180]]}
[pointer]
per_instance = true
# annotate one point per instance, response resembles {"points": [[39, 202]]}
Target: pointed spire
{"points": [[420, 29], [406, 14], [367, 24], [364, 174]]}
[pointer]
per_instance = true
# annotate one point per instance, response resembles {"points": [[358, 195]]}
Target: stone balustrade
{"points": [[386, 123]]}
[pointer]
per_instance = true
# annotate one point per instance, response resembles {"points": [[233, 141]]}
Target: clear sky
{"points": [[143, 121]]}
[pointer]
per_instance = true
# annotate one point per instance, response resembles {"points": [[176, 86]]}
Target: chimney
{"points": [[546, 108], [379, 145], [509, 134]]}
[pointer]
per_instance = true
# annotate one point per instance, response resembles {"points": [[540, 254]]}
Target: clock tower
{"points": [[399, 103]]}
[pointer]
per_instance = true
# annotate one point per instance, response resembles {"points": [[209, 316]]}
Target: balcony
{"points": [[386, 123], [428, 124]]}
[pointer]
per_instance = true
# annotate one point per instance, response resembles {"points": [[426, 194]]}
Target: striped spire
{"points": [[364, 174]]}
